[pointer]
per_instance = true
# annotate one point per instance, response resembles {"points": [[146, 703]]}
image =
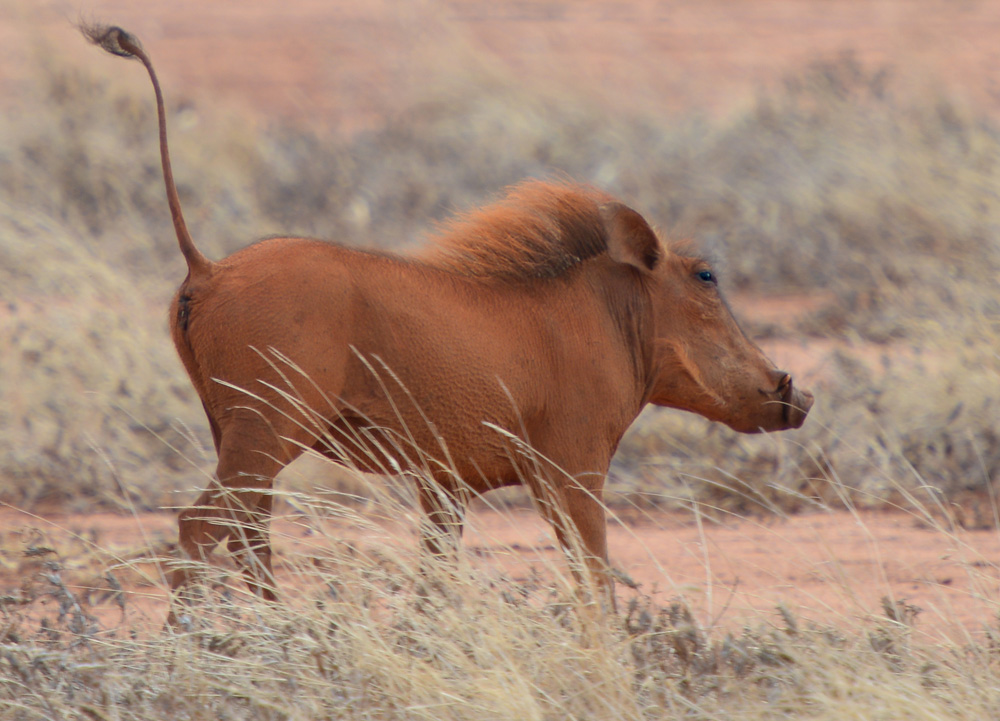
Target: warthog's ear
{"points": [[630, 239]]}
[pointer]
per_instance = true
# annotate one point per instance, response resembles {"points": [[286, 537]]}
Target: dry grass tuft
{"points": [[368, 629]]}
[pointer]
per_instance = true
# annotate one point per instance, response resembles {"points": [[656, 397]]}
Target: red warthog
{"points": [[517, 348]]}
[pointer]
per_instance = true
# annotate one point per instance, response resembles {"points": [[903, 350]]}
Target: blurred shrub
{"points": [[92, 398], [833, 183]]}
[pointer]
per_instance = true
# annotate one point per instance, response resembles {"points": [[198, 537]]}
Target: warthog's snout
{"points": [[795, 403]]}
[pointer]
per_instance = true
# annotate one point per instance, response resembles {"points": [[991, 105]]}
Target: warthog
{"points": [[516, 348]]}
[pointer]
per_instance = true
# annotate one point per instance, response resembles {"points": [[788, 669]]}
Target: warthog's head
{"points": [[705, 362], [702, 361]]}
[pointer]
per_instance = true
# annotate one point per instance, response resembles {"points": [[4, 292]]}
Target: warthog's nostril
{"points": [[782, 385]]}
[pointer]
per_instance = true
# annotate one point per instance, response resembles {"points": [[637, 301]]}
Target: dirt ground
{"points": [[345, 64], [348, 64], [828, 568]]}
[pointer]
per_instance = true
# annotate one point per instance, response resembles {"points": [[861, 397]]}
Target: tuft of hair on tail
{"points": [[110, 38]]}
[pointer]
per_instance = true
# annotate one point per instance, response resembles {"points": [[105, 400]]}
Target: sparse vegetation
{"points": [[831, 185], [369, 630], [889, 206]]}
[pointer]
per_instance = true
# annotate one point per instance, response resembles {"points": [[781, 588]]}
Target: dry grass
{"points": [[371, 630], [832, 185], [890, 206]]}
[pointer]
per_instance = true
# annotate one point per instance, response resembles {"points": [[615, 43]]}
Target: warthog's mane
{"points": [[538, 229]]}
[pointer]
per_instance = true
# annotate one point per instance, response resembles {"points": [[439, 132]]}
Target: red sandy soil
{"points": [[345, 63], [831, 568]]}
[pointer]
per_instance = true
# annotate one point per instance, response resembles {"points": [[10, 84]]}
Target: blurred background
{"points": [[839, 160]]}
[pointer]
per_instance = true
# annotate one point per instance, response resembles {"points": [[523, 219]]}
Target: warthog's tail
{"points": [[119, 42]]}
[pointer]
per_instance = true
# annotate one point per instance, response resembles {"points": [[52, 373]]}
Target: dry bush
{"points": [[832, 184], [92, 400]]}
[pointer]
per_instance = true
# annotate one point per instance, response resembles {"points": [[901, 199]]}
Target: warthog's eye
{"points": [[707, 276]]}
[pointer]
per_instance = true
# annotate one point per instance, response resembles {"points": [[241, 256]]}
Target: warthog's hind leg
{"points": [[237, 507], [250, 544]]}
